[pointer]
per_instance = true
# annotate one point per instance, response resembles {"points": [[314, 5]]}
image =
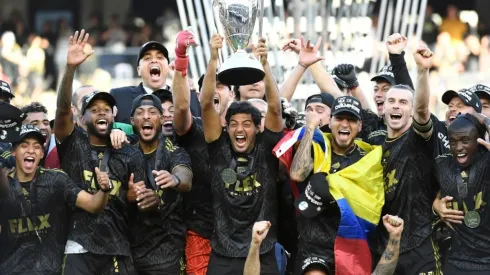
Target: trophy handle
{"points": [[261, 16]]}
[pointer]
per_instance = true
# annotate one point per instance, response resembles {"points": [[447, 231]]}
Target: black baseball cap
{"points": [[152, 45], [347, 104], [316, 196], [323, 98], [164, 95], [481, 90], [5, 90], [28, 130], [385, 74], [314, 263], [11, 119], [201, 79], [155, 102], [89, 99], [469, 98]]}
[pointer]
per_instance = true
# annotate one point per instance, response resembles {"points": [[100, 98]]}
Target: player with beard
{"points": [[407, 168], [464, 175], [96, 243], [243, 170], [158, 237], [36, 208]]}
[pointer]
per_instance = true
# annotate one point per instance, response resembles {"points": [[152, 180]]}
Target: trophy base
{"points": [[240, 69]]}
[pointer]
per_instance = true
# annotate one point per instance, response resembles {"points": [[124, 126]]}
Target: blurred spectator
{"points": [[64, 31], [453, 25], [95, 28], [473, 44], [430, 29], [145, 35], [11, 55], [114, 34], [448, 57]]}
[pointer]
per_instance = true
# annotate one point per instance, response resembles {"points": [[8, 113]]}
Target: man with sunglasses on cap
{"points": [[34, 211], [96, 243], [317, 231], [158, 235]]}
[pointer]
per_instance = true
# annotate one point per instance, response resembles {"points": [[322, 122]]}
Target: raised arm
{"points": [[389, 259], [302, 164], [307, 57], [421, 113], [210, 118], [395, 45], [252, 263], [322, 78], [64, 124], [180, 86], [273, 117], [347, 73]]}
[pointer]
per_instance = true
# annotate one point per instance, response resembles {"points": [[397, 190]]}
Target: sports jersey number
{"points": [[88, 176]]}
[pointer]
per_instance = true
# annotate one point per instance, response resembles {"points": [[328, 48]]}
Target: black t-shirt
{"points": [[470, 247], [317, 235], [21, 250], [409, 188], [104, 233], [158, 237], [198, 208], [373, 128], [237, 206], [439, 137]]}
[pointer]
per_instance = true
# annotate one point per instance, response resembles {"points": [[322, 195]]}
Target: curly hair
{"points": [[34, 107]]}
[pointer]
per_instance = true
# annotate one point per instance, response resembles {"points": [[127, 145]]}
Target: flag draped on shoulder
{"points": [[359, 192]]}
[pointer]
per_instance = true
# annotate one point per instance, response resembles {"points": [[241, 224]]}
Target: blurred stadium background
{"points": [[33, 39]]}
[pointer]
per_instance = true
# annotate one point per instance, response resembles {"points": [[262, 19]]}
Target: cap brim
{"points": [[2, 93], [153, 45], [483, 94], [34, 134], [315, 266], [383, 78], [349, 112], [448, 96]]}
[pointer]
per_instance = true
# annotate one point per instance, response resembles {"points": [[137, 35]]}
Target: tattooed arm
{"points": [[302, 161], [389, 259]]}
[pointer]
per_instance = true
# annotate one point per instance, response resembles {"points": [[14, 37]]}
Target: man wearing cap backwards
{"points": [[34, 211], [407, 170], [317, 231], [243, 170], [317, 266], [96, 243], [158, 237], [464, 175]]}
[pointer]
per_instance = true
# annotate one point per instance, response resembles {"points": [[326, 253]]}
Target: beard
{"points": [[92, 130], [154, 138]]}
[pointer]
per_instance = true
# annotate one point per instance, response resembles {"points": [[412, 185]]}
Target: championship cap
{"points": [[5, 90], [90, 98], [152, 45], [316, 196], [469, 98], [10, 122], [347, 104], [481, 91], [141, 101], [28, 130], [323, 98], [314, 263], [385, 74]]}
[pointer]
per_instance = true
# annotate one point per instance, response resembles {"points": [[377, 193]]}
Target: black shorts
{"points": [[421, 260], [89, 264], [221, 265], [174, 269]]}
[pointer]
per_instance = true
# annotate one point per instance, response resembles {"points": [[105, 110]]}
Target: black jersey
{"points": [[373, 128], [409, 188], [158, 237], [198, 208], [469, 246], [239, 203], [317, 235], [33, 235], [104, 233], [440, 138]]}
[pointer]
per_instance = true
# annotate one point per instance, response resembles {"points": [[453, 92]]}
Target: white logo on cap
{"points": [[466, 95], [312, 197], [303, 205], [3, 135]]}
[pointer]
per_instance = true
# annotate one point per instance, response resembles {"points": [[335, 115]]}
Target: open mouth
{"points": [[147, 128], [462, 158], [344, 134], [396, 117], [379, 105], [155, 72], [451, 118], [29, 162], [101, 124], [216, 102], [240, 140], [167, 125]]}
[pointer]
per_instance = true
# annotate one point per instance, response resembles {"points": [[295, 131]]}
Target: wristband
{"points": [[302, 65]]}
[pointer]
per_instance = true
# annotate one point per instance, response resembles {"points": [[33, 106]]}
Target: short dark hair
{"points": [[403, 87], [467, 121], [34, 107], [243, 107], [75, 98]]}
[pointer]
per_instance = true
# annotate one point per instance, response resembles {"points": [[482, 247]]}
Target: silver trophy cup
{"points": [[238, 20]]}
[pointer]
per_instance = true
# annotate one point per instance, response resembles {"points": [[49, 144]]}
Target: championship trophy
{"points": [[238, 20]]}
